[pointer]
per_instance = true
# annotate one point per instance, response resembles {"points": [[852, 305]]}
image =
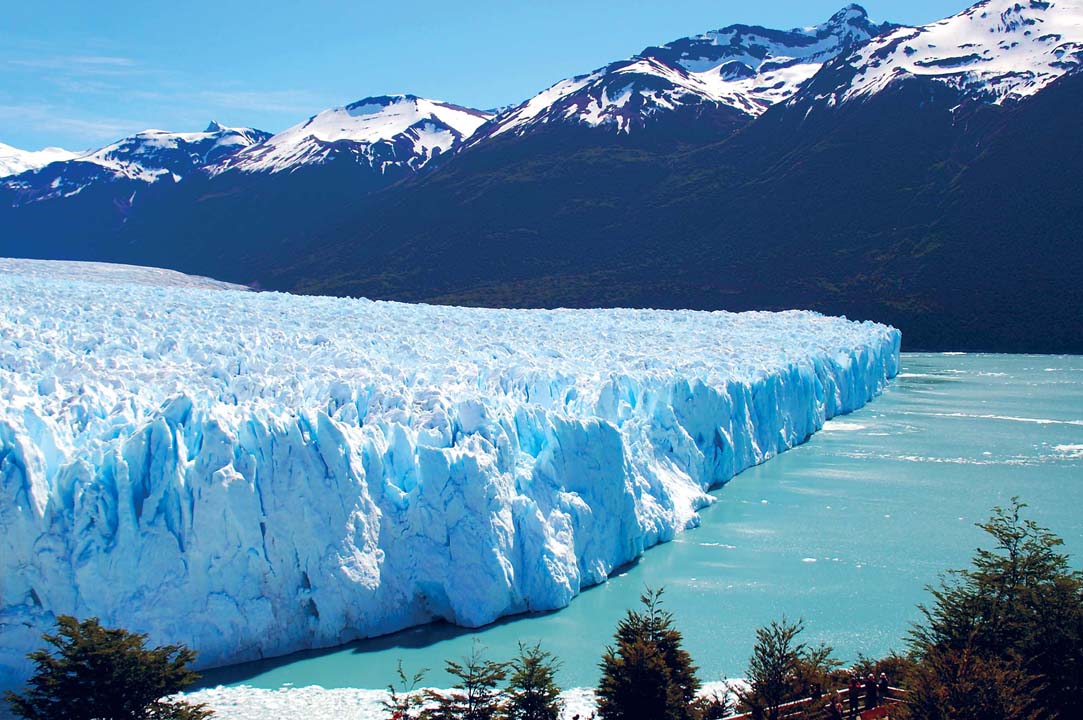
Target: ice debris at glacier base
{"points": [[317, 703], [251, 474]]}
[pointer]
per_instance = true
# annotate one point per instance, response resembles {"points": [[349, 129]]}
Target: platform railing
{"points": [[811, 708]]}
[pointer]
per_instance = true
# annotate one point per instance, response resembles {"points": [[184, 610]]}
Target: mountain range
{"points": [[923, 176]]}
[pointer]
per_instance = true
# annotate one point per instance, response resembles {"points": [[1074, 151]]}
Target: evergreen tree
{"points": [[97, 673], [532, 692], [816, 668], [774, 667], [404, 702], [782, 669], [647, 675], [951, 685], [1014, 618], [474, 695]]}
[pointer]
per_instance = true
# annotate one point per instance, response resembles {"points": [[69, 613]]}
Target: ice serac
{"points": [[255, 473]]}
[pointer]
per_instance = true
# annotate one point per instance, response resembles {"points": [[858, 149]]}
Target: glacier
{"points": [[257, 473]]}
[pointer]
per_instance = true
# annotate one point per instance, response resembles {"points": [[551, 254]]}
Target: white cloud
{"points": [[90, 98], [299, 102], [103, 65], [89, 132]]}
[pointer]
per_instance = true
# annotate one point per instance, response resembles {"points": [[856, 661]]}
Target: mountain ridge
{"points": [[739, 70], [381, 130], [145, 158]]}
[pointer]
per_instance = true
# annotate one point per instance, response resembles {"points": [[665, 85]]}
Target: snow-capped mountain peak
{"points": [[14, 161], [767, 66], [147, 157], [740, 69], [995, 51], [384, 131], [852, 19], [153, 153]]}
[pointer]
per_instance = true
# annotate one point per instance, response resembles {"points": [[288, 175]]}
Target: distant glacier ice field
{"points": [[111, 273], [255, 473]]}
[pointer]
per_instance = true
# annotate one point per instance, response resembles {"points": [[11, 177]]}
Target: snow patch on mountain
{"points": [[768, 66], [995, 51], [256, 473], [384, 132], [152, 154], [147, 157], [741, 69], [14, 161]]}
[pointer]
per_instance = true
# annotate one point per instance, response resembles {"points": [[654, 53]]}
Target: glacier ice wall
{"points": [[252, 474]]}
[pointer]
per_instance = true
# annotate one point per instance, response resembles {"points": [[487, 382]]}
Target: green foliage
{"points": [[532, 692], [950, 685], [1007, 633], [772, 669], [815, 669], [404, 703], [474, 695], [897, 667], [782, 669], [96, 673], [647, 675]]}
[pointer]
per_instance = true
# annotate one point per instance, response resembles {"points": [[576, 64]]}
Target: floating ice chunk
{"points": [[839, 426]]}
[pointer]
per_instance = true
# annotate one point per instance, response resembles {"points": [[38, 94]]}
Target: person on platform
{"points": [[855, 694], [834, 709]]}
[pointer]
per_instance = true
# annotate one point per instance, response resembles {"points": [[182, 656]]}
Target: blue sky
{"points": [[80, 74]]}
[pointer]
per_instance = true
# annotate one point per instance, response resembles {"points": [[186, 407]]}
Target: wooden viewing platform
{"points": [[813, 708]]}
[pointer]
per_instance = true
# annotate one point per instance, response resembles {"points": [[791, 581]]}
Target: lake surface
{"points": [[845, 531]]}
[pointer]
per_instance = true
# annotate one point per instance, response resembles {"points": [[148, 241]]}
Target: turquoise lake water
{"points": [[845, 531]]}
